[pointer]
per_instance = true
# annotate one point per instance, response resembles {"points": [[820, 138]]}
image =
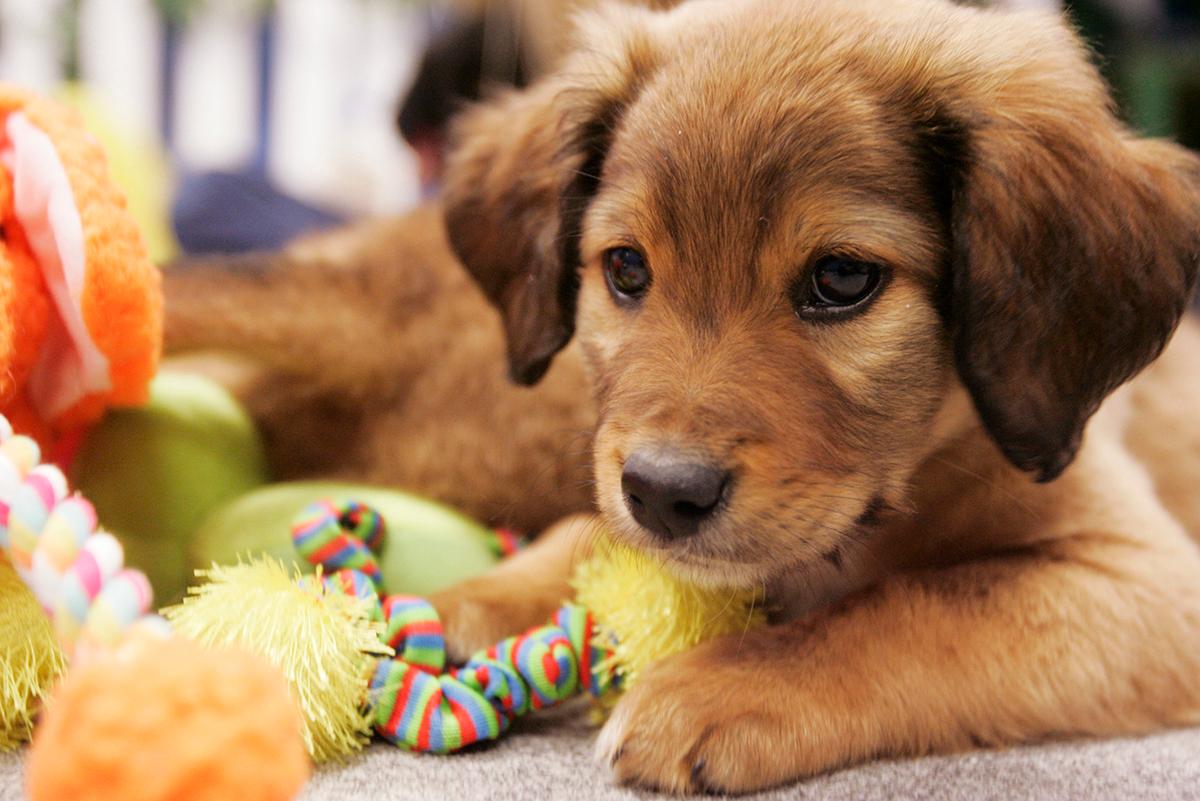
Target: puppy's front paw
{"points": [[702, 721], [479, 613], [473, 618]]}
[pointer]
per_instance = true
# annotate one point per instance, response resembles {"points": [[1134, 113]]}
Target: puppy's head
{"points": [[787, 233]]}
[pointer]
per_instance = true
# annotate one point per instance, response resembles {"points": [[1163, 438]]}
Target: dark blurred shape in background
{"points": [[468, 50], [1149, 51], [476, 47], [232, 124]]}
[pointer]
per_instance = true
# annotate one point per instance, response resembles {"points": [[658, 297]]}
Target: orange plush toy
{"points": [[80, 302]]}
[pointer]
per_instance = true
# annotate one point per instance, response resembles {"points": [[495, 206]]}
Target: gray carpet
{"points": [[550, 758]]}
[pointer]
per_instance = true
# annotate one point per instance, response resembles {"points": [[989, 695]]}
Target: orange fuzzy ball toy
{"points": [[166, 720], [80, 301]]}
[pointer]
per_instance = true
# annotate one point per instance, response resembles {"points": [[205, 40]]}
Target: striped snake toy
{"points": [[413, 703]]}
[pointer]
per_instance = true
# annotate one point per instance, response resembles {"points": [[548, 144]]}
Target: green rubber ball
{"points": [[428, 545], [156, 473]]}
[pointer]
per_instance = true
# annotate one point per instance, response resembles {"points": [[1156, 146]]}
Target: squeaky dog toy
{"points": [[80, 301], [139, 714], [630, 613]]}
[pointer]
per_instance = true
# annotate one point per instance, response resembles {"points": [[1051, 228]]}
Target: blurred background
{"points": [[238, 124]]}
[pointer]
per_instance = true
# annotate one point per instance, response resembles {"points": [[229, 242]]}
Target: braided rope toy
{"points": [[412, 703], [74, 569]]}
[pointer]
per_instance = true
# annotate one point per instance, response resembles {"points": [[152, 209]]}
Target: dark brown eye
{"points": [[627, 273], [839, 283]]}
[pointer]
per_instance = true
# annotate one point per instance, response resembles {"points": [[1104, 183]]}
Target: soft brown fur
{"points": [[369, 355], [926, 592]]}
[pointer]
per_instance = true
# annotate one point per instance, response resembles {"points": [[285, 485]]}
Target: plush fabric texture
{"points": [[324, 643], [166, 720], [69, 365], [118, 298], [549, 756], [30, 659]]}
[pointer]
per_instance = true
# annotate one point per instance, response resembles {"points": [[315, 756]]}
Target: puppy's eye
{"points": [[838, 285], [842, 282], [627, 273]]}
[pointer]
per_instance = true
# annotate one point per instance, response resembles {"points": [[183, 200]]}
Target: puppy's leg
{"points": [[335, 306], [305, 317], [523, 591], [212, 302], [1065, 639]]}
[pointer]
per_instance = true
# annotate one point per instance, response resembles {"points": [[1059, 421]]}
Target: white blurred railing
{"points": [[338, 69]]}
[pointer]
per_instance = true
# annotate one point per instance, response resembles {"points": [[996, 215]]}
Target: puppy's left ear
{"points": [[522, 172], [1074, 249]]}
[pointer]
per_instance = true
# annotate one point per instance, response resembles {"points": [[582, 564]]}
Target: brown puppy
{"points": [[850, 280]]}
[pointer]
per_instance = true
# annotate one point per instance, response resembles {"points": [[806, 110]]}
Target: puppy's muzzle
{"points": [[670, 494]]}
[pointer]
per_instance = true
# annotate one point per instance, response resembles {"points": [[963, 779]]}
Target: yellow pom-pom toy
{"points": [[644, 612], [30, 659], [324, 642], [631, 611]]}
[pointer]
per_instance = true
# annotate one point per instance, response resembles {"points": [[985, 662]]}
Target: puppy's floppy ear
{"points": [[1074, 251], [522, 172]]}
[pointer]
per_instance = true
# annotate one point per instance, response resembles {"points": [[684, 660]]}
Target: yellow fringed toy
{"points": [[31, 660], [323, 642], [644, 613]]}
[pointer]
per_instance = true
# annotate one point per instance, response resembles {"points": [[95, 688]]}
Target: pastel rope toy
{"points": [[413, 703], [75, 571]]}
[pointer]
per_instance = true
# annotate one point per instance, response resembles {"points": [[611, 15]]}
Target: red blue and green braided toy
{"points": [[413, 703]]}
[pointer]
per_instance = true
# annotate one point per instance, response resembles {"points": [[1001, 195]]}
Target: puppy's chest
{"points": [[805, 590], [970, 521], [895, 546]]}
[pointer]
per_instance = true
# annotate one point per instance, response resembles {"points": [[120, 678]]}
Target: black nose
{"points": [[670, 494]]}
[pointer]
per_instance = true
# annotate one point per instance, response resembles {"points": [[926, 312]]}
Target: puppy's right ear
{"points": [[522, 172]]}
